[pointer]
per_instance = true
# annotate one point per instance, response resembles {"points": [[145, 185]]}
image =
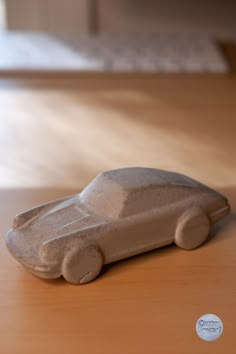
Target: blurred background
{"points": [[90, 85]]}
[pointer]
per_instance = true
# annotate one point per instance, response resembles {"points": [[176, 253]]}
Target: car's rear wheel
{"points": [[82, 264], [193, 229]]}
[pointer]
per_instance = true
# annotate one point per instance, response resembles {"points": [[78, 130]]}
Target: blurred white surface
{"points": [[111, 52]]}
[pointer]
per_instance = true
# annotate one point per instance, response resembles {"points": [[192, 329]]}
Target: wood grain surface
{"points": [[55, 136]]}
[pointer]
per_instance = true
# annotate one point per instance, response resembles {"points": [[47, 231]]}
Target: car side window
{"points": [[144, 200]]}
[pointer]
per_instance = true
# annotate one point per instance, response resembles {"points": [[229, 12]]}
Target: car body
{"points": [[121, 213]]}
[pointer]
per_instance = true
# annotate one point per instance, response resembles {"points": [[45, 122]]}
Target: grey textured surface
{"points": [[108, 52], [121, 213]]}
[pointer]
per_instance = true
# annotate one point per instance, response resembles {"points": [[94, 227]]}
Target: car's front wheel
{"points": [[82, 264], [192, 229]]}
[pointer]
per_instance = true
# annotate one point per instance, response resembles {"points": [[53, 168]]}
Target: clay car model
{"points": [[121, 213]]}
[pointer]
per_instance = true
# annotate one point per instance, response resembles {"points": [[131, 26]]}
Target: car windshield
{"points": [[103, 199]]}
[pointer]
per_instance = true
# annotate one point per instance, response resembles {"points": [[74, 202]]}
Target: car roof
{"points": [[139, 177]]}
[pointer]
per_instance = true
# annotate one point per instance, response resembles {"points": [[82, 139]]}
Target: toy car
{"points": [[121, 213]]}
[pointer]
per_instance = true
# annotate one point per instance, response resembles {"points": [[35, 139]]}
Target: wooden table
{"points": [[54, 137]]}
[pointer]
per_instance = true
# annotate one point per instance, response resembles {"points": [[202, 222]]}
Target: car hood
{"points": [[65, 217]]}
